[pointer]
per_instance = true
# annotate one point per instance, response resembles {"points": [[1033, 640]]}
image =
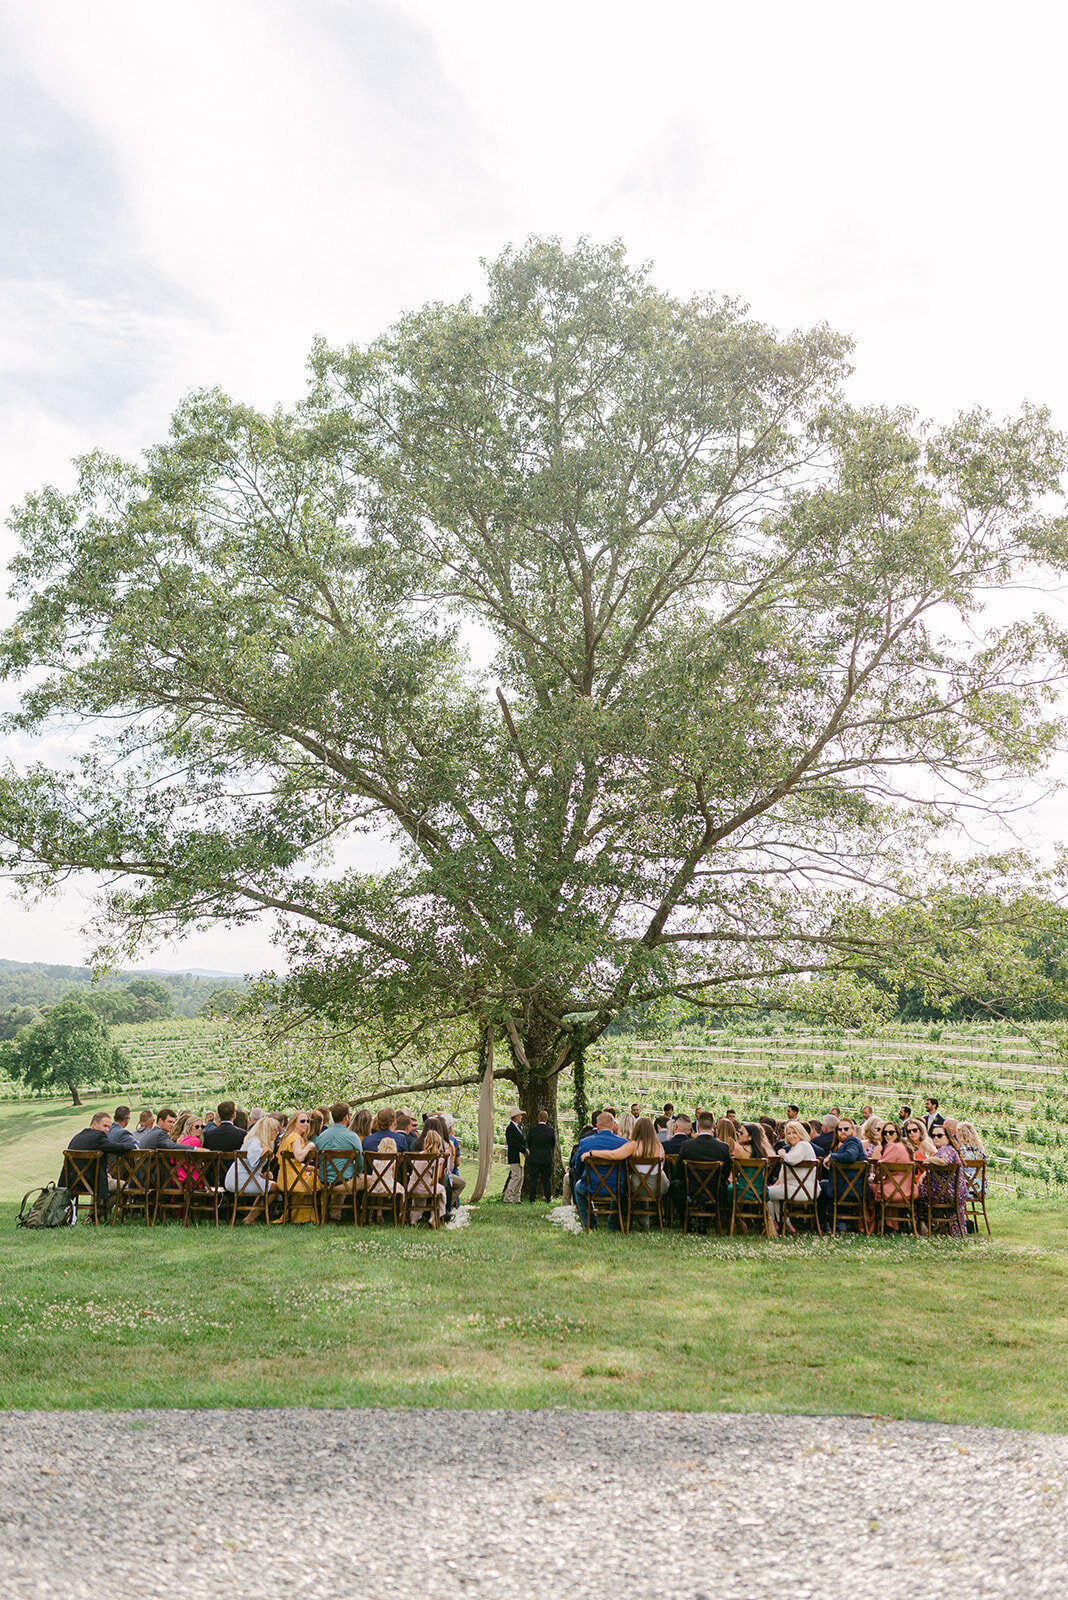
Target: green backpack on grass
{"points": [[51, 1209]]}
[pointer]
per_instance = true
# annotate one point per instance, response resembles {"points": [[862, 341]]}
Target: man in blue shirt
{"points": [[339, 1137], [605, 1138], [850, 1150]]}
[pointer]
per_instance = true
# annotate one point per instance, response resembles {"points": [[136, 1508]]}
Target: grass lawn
{"points": [[512, 1311]]}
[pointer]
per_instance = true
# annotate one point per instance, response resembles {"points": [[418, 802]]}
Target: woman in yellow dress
{"points": [[298, 1178]]}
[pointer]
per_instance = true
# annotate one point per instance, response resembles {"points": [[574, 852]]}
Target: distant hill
{"points": [[33, 984]]}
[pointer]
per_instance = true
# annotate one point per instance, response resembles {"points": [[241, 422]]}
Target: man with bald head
{"points": [[605, 1138]]}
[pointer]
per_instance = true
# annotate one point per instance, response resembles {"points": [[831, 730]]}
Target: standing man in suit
{"points": [[223, 1134], [515, 1139], [932, 1116], [541, 1143]]}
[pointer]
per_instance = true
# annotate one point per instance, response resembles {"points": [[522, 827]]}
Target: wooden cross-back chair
{"points": [[135, 1193], [172, 1188], [605, 1181], [800, 1197], [644, 1198], [849, 1194], [974, 1170], [702, 1194], [338, 1192], [422, 1175], [208, 1194], [251, 1184], [749, 1202], [894, 1194], [383, 1192], [85, 1179], [299, 1185], [940, 1200]]}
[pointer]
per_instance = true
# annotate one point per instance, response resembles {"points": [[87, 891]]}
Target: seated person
{"points": [[338, 1136], [300, 1185], [94, 1137], [385, 1123], [159, 1137], [258, 1140], [423, 1195], [574, 1166], [849, 1151], [602, 1141], [683, 1131], [707, 1145], [119, 1135], [223, 1134], [793, 1185], [823, 1142]]}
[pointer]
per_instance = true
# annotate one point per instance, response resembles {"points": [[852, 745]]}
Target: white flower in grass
{"points": [[566, 1217]]}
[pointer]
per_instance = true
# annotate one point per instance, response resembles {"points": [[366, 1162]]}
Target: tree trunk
{"points": [[74, 1094]]}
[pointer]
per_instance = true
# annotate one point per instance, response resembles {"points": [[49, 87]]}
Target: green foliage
{"points": [[30, 985], [723, 720], [224, 1002], [64, 1049]]}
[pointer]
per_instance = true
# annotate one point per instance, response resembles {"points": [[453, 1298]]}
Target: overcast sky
{"points": [[190, 193]]}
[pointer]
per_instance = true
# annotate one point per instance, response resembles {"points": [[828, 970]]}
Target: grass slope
{"points": [[512, 1311]]}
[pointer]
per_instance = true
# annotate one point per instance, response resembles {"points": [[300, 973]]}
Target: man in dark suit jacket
{"points": [[822, 1142], [683, 1132], [223, 1135], [541, 1142], [704, 1147], [94, 1137]]}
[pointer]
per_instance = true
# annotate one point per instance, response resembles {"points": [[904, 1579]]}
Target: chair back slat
{"points": [[849, 1182], [85, 1177], [381, 1194], [644, 1199], [800, 1186], [703, 1196], [604, 1188], [893, 1191], [135, 1192], [749, 1203]]}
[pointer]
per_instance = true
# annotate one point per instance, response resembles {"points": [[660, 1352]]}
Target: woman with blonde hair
{"points": [[254, 1179], [189, 1130], [426, 1188], [793, 1185], [298, 1183], [870, 1137]]}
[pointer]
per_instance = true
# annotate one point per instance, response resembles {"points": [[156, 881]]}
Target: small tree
{"points": [[65, 1048]]}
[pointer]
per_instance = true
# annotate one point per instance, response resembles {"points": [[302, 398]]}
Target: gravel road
{"points": [[190, 1504]]}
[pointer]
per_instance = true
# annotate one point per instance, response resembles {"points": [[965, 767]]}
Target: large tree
{"points": [[64, 1049], [652, 664]]}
